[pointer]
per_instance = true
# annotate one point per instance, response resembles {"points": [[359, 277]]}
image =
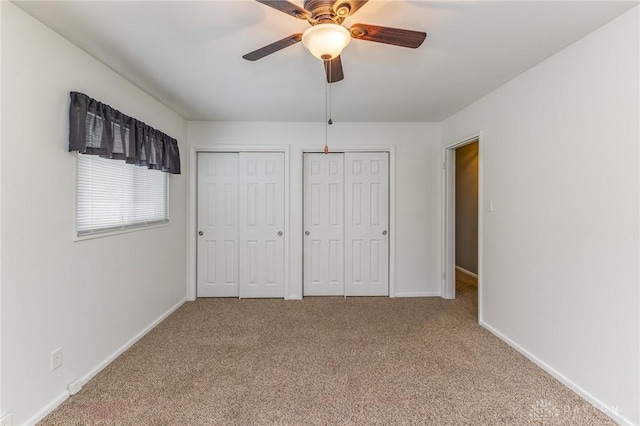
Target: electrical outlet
{"points": [[56, 358]]}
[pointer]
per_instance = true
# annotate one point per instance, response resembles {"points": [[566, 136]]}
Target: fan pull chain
{"points": [[326, 147], [327, 106], [330, 99]]}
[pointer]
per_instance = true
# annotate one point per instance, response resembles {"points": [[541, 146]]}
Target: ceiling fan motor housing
{"points": [[323, 11]]}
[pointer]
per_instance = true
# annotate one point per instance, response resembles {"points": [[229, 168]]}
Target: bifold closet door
{"points": [[261, 224], [366, 224], [323, 225], [240, 225], [217, 259]]}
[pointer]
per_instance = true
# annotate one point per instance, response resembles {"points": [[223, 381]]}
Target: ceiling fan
{"points": [[326, 37]]}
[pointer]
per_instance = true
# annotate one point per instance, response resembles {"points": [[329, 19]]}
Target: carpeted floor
{"points": [[325, 361]]}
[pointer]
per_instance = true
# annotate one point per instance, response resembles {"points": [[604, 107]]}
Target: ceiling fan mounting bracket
{"points": [[358, 32], [343, 9]]}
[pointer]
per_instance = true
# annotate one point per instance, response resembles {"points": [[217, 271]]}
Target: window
{"points": [[123, 168], [115, 196]]}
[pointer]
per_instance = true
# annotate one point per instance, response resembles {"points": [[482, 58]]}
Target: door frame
{"points": [[449, 221], [192, 219], [390, 149]]}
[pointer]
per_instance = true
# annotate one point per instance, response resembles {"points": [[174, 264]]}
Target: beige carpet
{"points": [[325, 361]]}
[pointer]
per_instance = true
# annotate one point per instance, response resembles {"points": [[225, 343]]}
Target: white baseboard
{"points": [[560, 377], [6, 420], [419, 294], [464, 271], [64, 395], [48, 408]]}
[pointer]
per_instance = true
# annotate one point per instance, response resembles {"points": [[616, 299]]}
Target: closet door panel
{"points": [[323, 224], [261, 219], [217, 218], [366, 224]]}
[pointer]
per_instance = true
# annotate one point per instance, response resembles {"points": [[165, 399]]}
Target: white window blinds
{"points": [[113, 196]]}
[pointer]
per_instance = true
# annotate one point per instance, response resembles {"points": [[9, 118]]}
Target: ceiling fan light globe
{"points": [[326, 41]]}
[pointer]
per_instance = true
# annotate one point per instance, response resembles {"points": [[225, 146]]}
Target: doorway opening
{"points": [[462, 214]]}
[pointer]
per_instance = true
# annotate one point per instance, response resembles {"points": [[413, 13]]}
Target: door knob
{"points": [[200, 233], [384, 232], [279, 233], [306, 232]]}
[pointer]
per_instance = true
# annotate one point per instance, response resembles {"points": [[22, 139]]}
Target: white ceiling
{"points": [[188, 55]]}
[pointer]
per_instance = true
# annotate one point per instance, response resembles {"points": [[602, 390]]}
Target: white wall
{"points": [[561, 248], [417, 182], [89, 297], [1, 411]]}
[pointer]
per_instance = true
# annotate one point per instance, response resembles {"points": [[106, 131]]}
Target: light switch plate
{"points": [[56, 358]]}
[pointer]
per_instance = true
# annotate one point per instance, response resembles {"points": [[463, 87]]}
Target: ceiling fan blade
{"points": [[333, 69], [344, 8], [273, 47], [394, 36], [287, 7]]}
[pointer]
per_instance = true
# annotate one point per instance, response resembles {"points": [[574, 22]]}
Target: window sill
{"points": [[112, 232]]}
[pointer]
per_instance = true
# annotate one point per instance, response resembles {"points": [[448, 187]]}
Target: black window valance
{"points": [[97, 129]]}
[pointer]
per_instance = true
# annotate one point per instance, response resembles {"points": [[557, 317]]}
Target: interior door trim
{"points": [[448, 219]]}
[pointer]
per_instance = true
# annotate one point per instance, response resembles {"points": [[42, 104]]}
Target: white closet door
{"points": [[261, 224], [323, 225], [217, 259], [366, 224]]}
